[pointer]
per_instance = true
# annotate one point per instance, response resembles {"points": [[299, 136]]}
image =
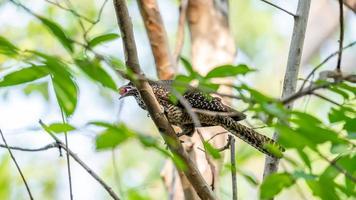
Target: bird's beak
{"points": [[122, 92]]}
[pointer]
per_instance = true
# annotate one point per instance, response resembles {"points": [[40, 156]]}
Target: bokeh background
{"points": [[262, 34]]}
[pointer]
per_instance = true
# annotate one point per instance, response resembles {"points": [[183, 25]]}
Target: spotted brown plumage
{"points": [[211, 111]]}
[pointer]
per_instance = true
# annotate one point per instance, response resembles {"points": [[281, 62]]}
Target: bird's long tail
{"points": [[253, 138]]}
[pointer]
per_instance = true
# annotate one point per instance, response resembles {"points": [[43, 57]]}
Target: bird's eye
{"points": [[122, 90]]}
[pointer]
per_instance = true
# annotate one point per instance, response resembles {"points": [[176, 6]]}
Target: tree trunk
{"points": [[291, 75]]}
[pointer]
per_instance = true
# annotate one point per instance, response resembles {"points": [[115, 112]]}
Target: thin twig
{"points": [[326, 99], [216, 134], [310, 90], [307, 91], [73, 11], [67, 156], [323, 62], [116, 172], [338, 167], [278, 7], [80, 162], [17, 166], [180, 30], [233, 167], [209, 161], [44, 148], [227, 145], [71, 7], [96, 21], [341, 41]]}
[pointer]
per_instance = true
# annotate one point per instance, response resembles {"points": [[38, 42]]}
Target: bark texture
{"points": [[158, 38], [153, 107], [291, 74], [351, 4], [212, 45]]}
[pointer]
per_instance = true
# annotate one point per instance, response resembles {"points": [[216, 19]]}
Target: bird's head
{"points": [[128, 90]]}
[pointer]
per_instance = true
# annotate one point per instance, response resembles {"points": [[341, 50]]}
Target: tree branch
{"points": [[279, 8], [209, 161], [341, 40], [233, 167], [80, 162], [191, 171], [351, 4], [180, 31], [312, 88], [323, 62], [44, 148], [17, 166], [291, 75], [158, 38]]}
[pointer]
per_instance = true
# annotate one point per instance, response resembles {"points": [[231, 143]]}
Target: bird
{"points": [[209, 110]]}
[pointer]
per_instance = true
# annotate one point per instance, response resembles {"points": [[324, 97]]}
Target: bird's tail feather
{"points": [[253, 138]]}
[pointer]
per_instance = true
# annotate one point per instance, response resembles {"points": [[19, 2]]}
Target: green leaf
{"points": [[306, 117], [58, 32], [66, 92], [348, 87], [228, 70], [336, 115], [274, 150], [339, 91], [117, 63], [350, 127], [208, 86], [188, 66], [215, 153], [96, 72], [300, 174], [24, 75], [305, 158], [41, 88], [322, 189], [65, 88], [60, 127], [274, 184], [340, 148], [181, 83], [290, 138], [113, 136], [249, 177], [7, 48], [102, 38], [135, 194]]}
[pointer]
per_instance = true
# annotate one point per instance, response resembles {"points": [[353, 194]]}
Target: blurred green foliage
{"points": [[302, 133]]}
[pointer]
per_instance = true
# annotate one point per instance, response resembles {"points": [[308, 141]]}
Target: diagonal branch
{"points": [[323, 62], [80, 162], [279, 8], [17, 166], [350, 4], [191, 171]]}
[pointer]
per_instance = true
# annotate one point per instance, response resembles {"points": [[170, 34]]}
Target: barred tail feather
{"points": [[253, 138]]}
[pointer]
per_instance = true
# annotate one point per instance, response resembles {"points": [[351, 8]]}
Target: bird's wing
{"points": [[203, 102]]}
